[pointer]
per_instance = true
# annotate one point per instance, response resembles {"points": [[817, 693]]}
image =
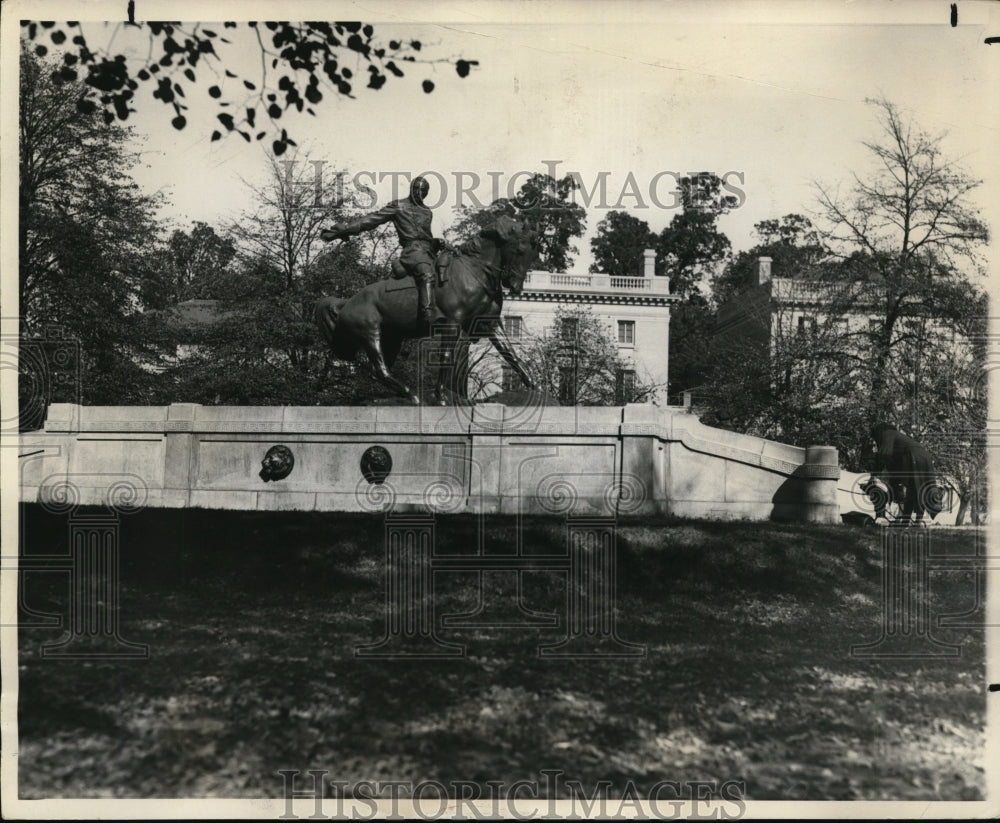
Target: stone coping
{"points": [[633, 420]]}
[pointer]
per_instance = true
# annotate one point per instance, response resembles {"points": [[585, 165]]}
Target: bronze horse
{"points": [[469, 298]]}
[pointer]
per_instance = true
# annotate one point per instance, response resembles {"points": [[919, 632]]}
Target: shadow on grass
{"points": [[316, 551], [252, 620]]}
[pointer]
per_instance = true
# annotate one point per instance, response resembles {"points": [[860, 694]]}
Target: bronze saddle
{"points": [[404, 280]]}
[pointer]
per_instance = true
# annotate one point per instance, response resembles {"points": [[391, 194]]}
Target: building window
{"points": [[568, 328], [567, 385], [514, 326], [624, 386], [807, 325], [626, 332], [510, 379]]}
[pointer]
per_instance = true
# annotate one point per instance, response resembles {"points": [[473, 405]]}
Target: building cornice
{"points": [[637, 299]]}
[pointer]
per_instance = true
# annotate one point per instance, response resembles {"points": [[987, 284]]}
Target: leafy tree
{"points": [[265, 348], [691, 324], [949, 404], [801, 377], [689, 251], [793, 245], [196, 257], [791, 382], [260, 351], [472, 220], [618, 247], [190, 267], [300, 64], [541, 200], [376, 249], [791, 230], [691, 248], [84, 236]]}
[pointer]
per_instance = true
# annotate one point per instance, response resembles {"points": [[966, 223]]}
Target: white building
{"points": [[774, 309], [636, 311], [821, 331]]}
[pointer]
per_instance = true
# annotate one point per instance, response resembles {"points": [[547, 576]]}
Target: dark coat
{"points": [[413, 228], [411, 219]]}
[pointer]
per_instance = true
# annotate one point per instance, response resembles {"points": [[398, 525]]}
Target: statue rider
{"points": [[412, 220]]}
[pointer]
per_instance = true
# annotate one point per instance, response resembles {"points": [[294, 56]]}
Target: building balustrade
{"points": [[551, 281]]}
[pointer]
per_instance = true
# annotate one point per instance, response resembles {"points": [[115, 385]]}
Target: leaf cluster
{"points": [[300, 64], [545, 202]]}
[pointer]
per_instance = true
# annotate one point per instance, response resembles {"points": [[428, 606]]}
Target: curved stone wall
{"points": [[623, 461]]}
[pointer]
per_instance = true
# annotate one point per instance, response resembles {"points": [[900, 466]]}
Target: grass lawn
{"points": [[252, 619]]}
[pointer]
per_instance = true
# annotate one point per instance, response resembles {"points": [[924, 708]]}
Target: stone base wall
{"points": [[625, 461]]}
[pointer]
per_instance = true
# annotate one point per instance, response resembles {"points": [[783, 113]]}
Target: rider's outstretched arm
{"points": [[362, 224]]}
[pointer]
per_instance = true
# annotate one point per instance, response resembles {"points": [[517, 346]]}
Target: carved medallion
{"points": [[277, 463], [376, 463]]}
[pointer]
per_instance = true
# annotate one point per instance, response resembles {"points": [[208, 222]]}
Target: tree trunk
{"points": [[963, 509]]}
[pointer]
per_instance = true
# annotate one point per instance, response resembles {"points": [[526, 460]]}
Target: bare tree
{"points": [[284, 226], [884, 328], [576, 360], [286, 265], [909, 237]]}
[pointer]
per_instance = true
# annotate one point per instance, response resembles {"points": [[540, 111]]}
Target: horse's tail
{"points": [[325, 314]]}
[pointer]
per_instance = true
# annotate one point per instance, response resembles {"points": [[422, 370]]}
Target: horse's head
{"points": [[519, 250]]}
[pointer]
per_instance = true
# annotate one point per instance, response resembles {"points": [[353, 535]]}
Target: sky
{"points": [[771, 94]]}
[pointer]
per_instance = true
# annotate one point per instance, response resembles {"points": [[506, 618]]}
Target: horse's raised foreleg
{"points": [[500, 342], [373, 349]]}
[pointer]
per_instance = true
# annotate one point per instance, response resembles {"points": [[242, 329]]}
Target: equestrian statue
{"points": [[460, 306]]}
